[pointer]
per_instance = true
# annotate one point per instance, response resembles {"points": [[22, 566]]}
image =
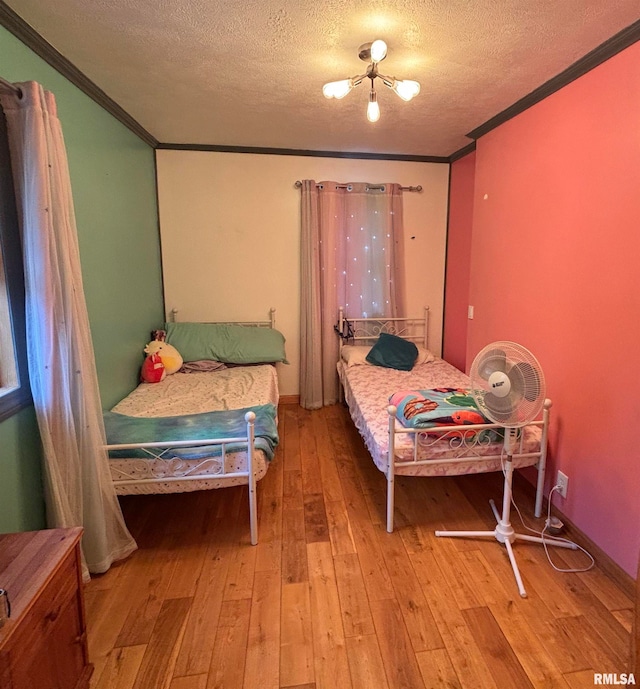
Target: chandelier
{"points": [[373, 53]]}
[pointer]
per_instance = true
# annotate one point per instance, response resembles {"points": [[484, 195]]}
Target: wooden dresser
{"points": [[44, 643]]}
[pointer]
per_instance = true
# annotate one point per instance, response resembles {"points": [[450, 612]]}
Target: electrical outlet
{"points": [[563, 482]]}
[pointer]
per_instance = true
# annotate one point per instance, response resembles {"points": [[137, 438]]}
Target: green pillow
{"points": [[392, 351], [231, 344]]}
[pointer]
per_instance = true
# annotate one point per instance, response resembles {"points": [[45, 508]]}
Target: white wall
{"points": [[230, 232]]}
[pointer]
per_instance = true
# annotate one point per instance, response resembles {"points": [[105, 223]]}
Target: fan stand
{"points": [[504, 532]]}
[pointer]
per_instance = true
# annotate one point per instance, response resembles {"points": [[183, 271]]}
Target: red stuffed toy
{"points": [[153, 370]]}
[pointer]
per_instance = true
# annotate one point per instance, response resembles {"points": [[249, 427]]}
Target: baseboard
{"points": [[626, 582], [289, 399]]}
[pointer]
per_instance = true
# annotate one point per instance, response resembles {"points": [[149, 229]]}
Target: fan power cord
{"points": [[546, 538], [554, 526]]}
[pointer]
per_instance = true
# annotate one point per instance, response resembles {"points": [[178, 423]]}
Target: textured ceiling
{"points": [[250, 73]]}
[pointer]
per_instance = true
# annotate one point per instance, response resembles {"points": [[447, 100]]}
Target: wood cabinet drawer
{"points": [[46, 647], [44, 611]]}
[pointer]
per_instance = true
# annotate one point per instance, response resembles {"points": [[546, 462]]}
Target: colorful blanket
{"points": [[217, 425], [436, 407]]}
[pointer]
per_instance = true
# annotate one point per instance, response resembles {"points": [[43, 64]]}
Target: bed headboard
{"points": [[366, 330], [271, 323]]}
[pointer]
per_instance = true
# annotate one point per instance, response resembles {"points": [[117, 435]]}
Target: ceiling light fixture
{"points": [[373, 53]]}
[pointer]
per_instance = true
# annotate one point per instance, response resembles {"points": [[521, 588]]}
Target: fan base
{"points": [[504, 533]]}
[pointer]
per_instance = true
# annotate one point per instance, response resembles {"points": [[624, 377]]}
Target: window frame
{"points": [[19, 396]]}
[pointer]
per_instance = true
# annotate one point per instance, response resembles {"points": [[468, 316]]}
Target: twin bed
{"points": [[202, 429], [439, 450], [211, 429]]}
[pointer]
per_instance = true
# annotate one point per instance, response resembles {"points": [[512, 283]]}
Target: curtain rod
{"points": [[372, 186], [10, 87]]}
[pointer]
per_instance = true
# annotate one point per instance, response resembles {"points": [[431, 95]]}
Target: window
{"points": [[366, 280], [14, 382], [352, 255]]}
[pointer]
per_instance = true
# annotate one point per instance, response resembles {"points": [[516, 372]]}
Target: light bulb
{"points": [[378, 50], [406, 88], [337, 89], [373, 109]]}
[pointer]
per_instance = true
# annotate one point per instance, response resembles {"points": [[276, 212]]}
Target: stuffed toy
{"points": [[170, 356], [153, 370]]}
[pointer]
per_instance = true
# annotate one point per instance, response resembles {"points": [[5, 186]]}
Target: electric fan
{"points": [[508, 386]]}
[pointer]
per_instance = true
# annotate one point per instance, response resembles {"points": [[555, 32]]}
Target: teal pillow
{"points": [[392, 351], [231, 344]]}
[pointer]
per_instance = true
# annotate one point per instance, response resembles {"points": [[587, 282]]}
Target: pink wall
{"points": [[555, 265], [458, 260]]}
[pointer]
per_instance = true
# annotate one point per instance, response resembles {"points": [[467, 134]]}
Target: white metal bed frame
{"points": [[270, 323], [174, 469], [367, 330], [461, 444]]}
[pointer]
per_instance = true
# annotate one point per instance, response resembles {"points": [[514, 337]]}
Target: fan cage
{"points": [[526, 398]]}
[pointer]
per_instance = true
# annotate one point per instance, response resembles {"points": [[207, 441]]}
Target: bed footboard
{"points": [[456, 450], [158, 467]]}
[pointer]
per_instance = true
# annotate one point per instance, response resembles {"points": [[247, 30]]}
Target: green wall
{"points": [[21, 503], [114, 189]]}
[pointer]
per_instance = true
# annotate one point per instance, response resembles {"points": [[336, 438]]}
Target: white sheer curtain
{"points": [[352, 255], [62, 372]]}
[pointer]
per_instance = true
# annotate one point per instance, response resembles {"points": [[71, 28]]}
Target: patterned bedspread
{"points": [[368, 390], [195, 393], [188, 394], [436, 407]]}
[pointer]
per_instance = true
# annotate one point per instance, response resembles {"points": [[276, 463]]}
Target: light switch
{"points": [[470, 313]]}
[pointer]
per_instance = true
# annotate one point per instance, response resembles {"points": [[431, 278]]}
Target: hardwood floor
{"points": [[329, 600]]}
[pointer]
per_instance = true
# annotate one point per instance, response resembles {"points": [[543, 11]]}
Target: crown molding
{"points": [[462, 152], [259, 150], [33, 40], [614, 45]]}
